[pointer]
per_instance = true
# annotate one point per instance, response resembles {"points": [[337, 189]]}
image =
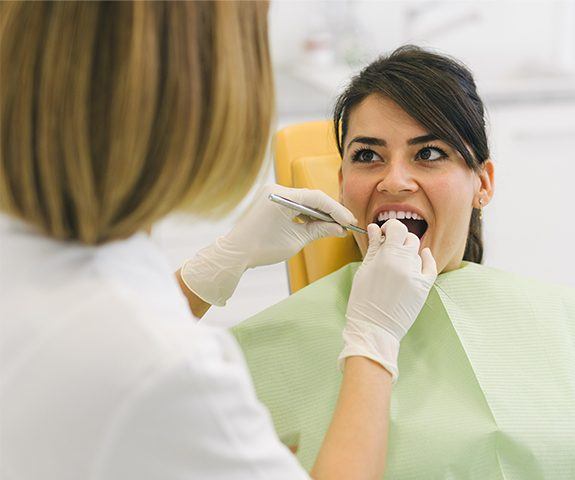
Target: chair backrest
{"points": [[306, 156]]}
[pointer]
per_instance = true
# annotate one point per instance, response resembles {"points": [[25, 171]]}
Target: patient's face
{"points": [[391, 170]]}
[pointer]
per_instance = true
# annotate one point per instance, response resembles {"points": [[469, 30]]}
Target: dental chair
{"points": [[306, 156]]}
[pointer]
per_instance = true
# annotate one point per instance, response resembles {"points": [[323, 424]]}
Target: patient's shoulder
{"points": [[504, 281], [477, 285]]}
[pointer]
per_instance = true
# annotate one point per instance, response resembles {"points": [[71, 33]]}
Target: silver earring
{"points": [[480, 209]]}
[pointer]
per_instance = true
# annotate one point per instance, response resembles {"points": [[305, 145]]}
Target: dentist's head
{"points": [[115, 113]]}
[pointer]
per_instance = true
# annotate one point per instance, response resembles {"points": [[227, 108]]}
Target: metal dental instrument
{"points": [[310, 212]]}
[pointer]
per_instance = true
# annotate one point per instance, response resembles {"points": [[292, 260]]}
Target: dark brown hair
{"points": [[437, 91], [113, 114]]}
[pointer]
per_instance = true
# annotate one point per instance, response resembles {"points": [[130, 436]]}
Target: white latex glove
{"points": [[265, 235], [388, 292]]}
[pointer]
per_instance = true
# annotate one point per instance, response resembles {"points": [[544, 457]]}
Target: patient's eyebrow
{"points": [[379, 142], [422, 139]]}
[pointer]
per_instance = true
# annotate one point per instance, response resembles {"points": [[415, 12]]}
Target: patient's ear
{"points": [[487, 183], [340, 180]]}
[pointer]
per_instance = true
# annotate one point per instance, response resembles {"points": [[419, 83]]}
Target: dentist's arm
{"points": [[265, 235], [355, 445], [198, 306], [388, 292]]}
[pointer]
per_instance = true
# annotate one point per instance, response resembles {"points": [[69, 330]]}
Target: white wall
{"points": [[528, 228]]}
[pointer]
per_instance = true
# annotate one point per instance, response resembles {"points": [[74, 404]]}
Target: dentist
{"points": [[114, 114]]}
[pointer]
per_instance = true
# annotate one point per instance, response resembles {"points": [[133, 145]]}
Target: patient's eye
{"points": [[431, 153], [365, 155]]}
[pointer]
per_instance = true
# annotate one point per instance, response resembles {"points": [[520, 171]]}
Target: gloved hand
{"points": [[265, 235], [388, 292]]}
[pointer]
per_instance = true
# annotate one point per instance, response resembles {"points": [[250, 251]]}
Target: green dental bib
{"points": [[486, 385]]}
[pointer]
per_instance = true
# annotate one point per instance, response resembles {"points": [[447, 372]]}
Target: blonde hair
{"points": [[113, 114]]}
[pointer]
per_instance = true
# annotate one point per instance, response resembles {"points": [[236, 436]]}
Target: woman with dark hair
{"points": [[487, 384], [439, 118]]}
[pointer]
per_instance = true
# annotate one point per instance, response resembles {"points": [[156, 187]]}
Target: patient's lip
{"points": [[398, 207]]}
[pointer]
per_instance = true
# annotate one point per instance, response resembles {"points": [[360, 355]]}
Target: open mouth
{"points": [[414, 223]]}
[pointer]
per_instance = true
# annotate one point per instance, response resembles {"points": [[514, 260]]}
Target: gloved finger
{"points": [[320, 229], [411, 242], [428, 265], [323, 202], [375, 237], [395, 232]]}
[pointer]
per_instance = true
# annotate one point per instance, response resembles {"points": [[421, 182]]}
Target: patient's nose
{"points": [[397, 178]]}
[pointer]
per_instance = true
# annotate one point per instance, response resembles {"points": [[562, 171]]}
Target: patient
{"points": [[486, 385]]}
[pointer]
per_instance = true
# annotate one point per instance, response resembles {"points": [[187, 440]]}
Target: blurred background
{"points": [[522, 54]]}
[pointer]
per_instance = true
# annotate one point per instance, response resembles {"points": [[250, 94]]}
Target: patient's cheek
{"points": [[455, 183], [442, 185], [451, 197], [355, 198]]}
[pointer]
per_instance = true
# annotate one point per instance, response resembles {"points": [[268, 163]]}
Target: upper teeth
{"points": [[393, 214]]}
